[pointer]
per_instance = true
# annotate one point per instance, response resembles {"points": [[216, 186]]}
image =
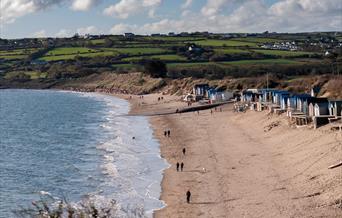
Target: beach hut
{"points": [[200, 91], [251, 95], [335, 108], [321, 109]]}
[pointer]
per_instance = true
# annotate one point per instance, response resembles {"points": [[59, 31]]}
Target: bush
{"points": [[155, 68]]}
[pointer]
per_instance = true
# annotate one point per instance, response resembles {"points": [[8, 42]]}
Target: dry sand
{"points": [[251, 170]]}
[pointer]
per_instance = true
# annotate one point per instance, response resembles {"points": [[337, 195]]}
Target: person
{"points": [[211, 111], [133, 137], [158, 98], [177, 111], [197, 112], [168, 133], [183, 151], [177, 165], [188, 196], [165, 133], [182, 166]]}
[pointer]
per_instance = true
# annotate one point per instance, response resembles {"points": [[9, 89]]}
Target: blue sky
{"points": [[41, 18]]}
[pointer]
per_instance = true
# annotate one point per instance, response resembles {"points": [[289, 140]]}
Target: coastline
{"points": [[245, 174], [251, 170]]}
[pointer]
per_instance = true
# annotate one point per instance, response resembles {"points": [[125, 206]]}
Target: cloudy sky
{"points": [[40, 18]]}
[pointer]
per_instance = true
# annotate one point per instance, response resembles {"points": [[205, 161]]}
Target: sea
{"points": [[76, 146]]}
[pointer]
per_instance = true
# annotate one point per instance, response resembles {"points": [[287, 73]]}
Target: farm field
{"points": [[257, 40], [136, 51], [70, 50], [222, 43], [72, 56], [231, 51], [261, 62], [283, 53], [160, 57]]}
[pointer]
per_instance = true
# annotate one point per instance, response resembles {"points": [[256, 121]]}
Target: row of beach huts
{"points": [[301, 108]]}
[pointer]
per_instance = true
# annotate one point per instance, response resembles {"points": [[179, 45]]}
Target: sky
{"points": [[64, 18]]}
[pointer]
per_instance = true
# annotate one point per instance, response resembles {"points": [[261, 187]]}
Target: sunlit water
{"points": [[74, 145]]}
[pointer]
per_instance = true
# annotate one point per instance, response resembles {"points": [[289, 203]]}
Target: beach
{"points": [[243, 164]]}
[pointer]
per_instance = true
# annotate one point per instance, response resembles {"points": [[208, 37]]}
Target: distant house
{"points": [[129, 35], [171, 34]]}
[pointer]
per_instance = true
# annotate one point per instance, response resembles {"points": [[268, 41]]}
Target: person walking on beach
{"points": [[177, 165], [182, 166], [188, 196], [211, 111], [184, 151], [168, 133]]}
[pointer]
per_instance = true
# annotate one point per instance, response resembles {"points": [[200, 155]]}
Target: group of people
{"points": [[160, 98], [167, 133]]}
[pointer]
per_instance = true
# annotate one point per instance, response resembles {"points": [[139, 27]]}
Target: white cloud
{"points": [[40, 34], [125, 8], [83, 5], [14, 9], [119, 29], [253, 16], [88, 30], [64, 33]]}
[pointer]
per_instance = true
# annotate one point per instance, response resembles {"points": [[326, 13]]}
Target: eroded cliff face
{"points": [[138, 83]]}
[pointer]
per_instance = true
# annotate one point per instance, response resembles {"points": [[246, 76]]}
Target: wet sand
{"points": [[255, 164]]}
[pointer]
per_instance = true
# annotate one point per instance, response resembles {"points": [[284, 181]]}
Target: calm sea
{"points": [[75, 145]]}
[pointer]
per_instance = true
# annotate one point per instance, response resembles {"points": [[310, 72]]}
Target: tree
{"points": [[155, 68]]}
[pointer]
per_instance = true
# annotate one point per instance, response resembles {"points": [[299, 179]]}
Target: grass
{"points": [[234, 63], [97, 41], [73, 56], [172, 38], [283, 53], [13, 57], [32, 74], [220, 43], [256, 40], [231, 51], [261, 62], [16, 54], [161, 57], [70, 50], [137, 51]]}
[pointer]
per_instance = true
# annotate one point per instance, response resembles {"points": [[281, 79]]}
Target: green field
{"points": [[70, 50], [261, 62], [256, 40], [230, 51], [16, 54], [220, 43], [160, 57], [172, 38], [97, 41], [283, 53], [72, 56], [136, 51], [234, 63]]}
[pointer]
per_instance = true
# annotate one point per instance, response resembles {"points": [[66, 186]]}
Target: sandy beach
{"points": [[244, 164]]}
